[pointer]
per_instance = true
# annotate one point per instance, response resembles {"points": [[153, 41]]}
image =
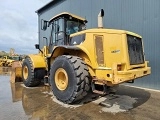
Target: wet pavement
{"points": [[20, 103], [5, 70]]}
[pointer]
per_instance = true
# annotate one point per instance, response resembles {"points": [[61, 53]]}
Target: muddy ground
{"points": [[20, 103]]}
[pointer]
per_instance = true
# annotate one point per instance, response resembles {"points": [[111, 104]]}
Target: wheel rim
{"points": [[61, 79], [25, 72]]}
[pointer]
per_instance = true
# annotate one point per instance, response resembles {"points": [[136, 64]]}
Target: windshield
{"points": [[74, 26]]}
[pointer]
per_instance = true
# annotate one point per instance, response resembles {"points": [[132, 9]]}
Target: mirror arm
{"points": [[37, 47], [40, 51]]}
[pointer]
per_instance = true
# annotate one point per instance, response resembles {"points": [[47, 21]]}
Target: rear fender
{"points": [[76, 51], [70, 50]]}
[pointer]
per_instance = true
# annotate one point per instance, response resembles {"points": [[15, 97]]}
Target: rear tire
{"points": [[72, 71], [31, 77]]}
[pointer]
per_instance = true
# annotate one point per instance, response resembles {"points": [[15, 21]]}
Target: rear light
{"points": [[119, 67]]}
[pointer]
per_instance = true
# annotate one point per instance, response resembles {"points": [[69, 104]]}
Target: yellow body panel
{"points": [[113, 76], [38, 61], [113, 53]]}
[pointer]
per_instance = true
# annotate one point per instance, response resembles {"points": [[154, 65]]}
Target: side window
{"points": [[60, 32], [71, 27], [53, 33], [57, 27], [60, 25], [57, 32]]}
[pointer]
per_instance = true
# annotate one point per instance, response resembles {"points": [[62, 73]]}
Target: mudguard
{"points": [[38, 61]]}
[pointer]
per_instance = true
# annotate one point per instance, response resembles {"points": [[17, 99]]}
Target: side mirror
{"points": [[37, 46], [44, 24]]}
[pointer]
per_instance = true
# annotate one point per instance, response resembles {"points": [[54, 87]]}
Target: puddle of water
{"points": [[10, 104], [116, 103], [20, 102], [5, 70]]}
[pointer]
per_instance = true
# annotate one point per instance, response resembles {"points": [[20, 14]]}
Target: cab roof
{"points": [[68, 15]]}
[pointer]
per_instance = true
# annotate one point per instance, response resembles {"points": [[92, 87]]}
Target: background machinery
{"points": [[75, 60], [6, 59]]}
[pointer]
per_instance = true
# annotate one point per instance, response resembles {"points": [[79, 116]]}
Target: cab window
{"points": [[73, 27]]}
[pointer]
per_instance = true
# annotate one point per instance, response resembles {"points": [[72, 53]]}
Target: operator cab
{"points": [[62, 26]]}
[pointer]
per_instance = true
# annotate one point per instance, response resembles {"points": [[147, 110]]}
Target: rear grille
{"points": [[99, 50], [135, 50]]}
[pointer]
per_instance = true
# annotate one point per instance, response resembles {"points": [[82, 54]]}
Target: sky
{"points": [[19, 25]]}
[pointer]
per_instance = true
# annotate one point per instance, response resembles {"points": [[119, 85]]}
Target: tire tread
{"points": [[82, 78], [32, 82]]}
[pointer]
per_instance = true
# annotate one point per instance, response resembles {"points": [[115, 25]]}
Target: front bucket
{"points": [[16, 72]]}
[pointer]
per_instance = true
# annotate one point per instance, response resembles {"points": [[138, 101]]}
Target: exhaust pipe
{"points": [[100, 19]]}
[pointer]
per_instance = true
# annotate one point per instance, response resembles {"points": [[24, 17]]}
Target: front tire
{"points": [[69, 78], [31, 77]]}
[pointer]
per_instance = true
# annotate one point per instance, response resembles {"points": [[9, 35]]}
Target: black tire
{"points": [[78, 78], [34, 75]]}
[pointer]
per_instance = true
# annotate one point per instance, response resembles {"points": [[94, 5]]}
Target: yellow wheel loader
{"points": [[2, 62], [6, 61], [76, 59]]}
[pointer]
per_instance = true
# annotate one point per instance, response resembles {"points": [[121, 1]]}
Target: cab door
{"points": [[57, 34]]}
